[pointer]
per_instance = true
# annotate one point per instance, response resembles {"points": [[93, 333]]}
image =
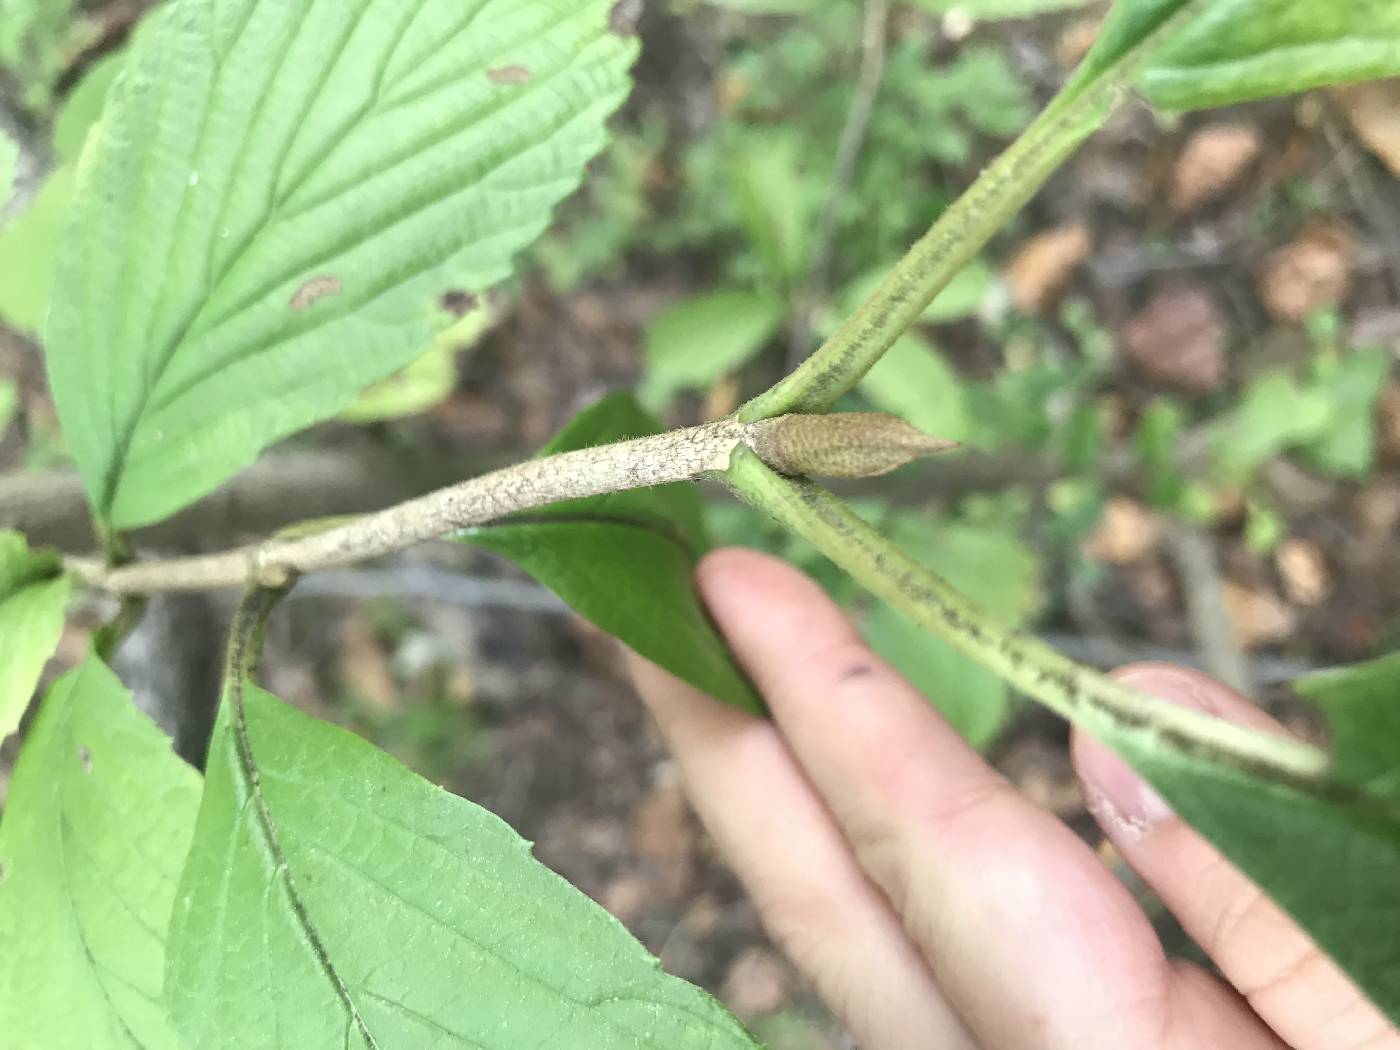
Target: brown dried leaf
{"points": [[1303, 567], [1126, 533], [1178, 338], [1044, 263], [1259, 617], [1311, 273], [1074, 43], [1373, 110], [1211, 163]]}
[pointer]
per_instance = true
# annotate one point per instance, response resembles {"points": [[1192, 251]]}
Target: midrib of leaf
{"points": [[152, 403], [319, 788], [272, 843]]}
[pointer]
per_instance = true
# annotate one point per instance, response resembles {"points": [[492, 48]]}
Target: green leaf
{"points": [[82, 108], [97, 824], [913, 381], [998, 9], [624, 561], [1155, 445], [1235, 50], [989, 565], [282, 201], [702, 339], [27, 249], [1351, 387], [1362, 704], [769, 193], [1275, 413], [961, 298], [338, 900], [767, 7], [1326, 854], [426, 382], [33, 598]]}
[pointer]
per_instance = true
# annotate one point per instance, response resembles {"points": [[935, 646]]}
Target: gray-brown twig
{"points": [[847, 444]]}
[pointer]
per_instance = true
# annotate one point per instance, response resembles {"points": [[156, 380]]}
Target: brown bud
{"points": [[841, 445]]}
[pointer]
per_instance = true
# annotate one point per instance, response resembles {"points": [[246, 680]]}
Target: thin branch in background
{"points": [[426, 583], [872, 72], [1211, 630], [1360, 186]]}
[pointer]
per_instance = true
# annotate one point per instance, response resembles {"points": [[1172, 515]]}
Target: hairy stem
{"points": [[957, 235], [851, 444], [674, 456], [1107, 709], [244, 652]]}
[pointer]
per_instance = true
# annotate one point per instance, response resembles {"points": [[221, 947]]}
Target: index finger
{"points": [[1031, 939]]}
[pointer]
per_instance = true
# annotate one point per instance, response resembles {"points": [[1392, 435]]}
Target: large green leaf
{"points": [[339, 900], [96, 827], [998, 9], [33, 597], [624, 560], [282, 203], [1328, 855], [703, 338], [770, 194], [28, 245], [27, 248], [1235, 50], [1362, 704], [427, 381]]}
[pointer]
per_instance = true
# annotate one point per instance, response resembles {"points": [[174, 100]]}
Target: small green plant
{"points": [[282, 204]]}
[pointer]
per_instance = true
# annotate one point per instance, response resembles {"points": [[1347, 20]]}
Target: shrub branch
{"points": [[851, 444]]}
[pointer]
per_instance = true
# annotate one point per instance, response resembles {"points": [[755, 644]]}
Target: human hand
{"points": [[932, 905]]}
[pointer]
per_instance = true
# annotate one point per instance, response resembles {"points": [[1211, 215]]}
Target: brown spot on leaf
{"points": [[509, 75], [624, 16], [457, 302], [314, 289], [85, 757]]}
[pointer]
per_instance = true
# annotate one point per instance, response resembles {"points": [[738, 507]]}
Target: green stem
{"points": [[960, 232], [1111, 711]]}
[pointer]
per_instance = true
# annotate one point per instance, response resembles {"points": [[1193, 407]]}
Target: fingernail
{"points": [[1118, 797]]}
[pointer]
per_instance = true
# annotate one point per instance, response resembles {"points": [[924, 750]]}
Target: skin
{"points": [[929, 903]]}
